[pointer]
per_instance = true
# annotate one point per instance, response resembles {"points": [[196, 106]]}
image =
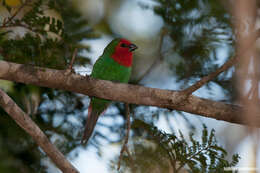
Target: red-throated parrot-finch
{"points": [[115, 65]]}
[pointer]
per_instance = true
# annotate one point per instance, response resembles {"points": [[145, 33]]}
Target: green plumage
{"points": [[105, 68]]}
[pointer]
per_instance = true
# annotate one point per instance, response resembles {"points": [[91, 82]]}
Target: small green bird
{"points": [[115, 65]]}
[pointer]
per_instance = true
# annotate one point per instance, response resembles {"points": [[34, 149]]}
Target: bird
{"points": [[115, 64]]}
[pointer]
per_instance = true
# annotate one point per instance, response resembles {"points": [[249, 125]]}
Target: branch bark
{"points": [[25, 122], [127, 93]]}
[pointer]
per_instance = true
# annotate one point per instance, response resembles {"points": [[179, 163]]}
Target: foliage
{"points": [[163, 152], [41, 33], [18, 152], [198, 29], [52, 30], [49, 32]]}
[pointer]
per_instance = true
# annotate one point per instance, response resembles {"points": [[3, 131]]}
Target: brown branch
{"points": [[211, 76], [221, 69], [73, 58], [124, 146], [120, 92], [245, 15], [25, 122]]}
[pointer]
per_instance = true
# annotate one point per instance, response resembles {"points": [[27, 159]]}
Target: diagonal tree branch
{"points": [[25, 122], [211, 76], [120, 92], [221, 69]]}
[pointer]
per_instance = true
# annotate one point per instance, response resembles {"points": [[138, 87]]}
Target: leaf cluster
{"points": [[49, 41], [199, 30], [43, 33], [165, 151]]}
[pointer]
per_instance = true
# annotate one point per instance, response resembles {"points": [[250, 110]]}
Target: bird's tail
{"points": [[90, 124]]}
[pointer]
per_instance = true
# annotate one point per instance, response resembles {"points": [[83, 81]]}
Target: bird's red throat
{"points": [[123, 56]]}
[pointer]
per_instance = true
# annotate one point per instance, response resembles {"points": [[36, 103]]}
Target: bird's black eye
{"points": [[123, 45]]}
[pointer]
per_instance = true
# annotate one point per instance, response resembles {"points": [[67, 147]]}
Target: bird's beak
{"points": [[132, 47]]}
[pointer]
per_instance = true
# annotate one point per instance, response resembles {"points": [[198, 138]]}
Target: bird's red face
{"points": [[123, 53]]}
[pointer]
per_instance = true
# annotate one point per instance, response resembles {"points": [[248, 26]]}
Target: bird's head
{"points": [[122, 52], [125, 46]]}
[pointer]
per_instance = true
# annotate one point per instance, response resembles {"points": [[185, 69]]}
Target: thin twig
{"points": [[221, 69], [209, 77], [124, 147], [158, 59], [15, 14], [25, 122], [73, 58], [129, 154], [131, 160], [21, 25]]}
